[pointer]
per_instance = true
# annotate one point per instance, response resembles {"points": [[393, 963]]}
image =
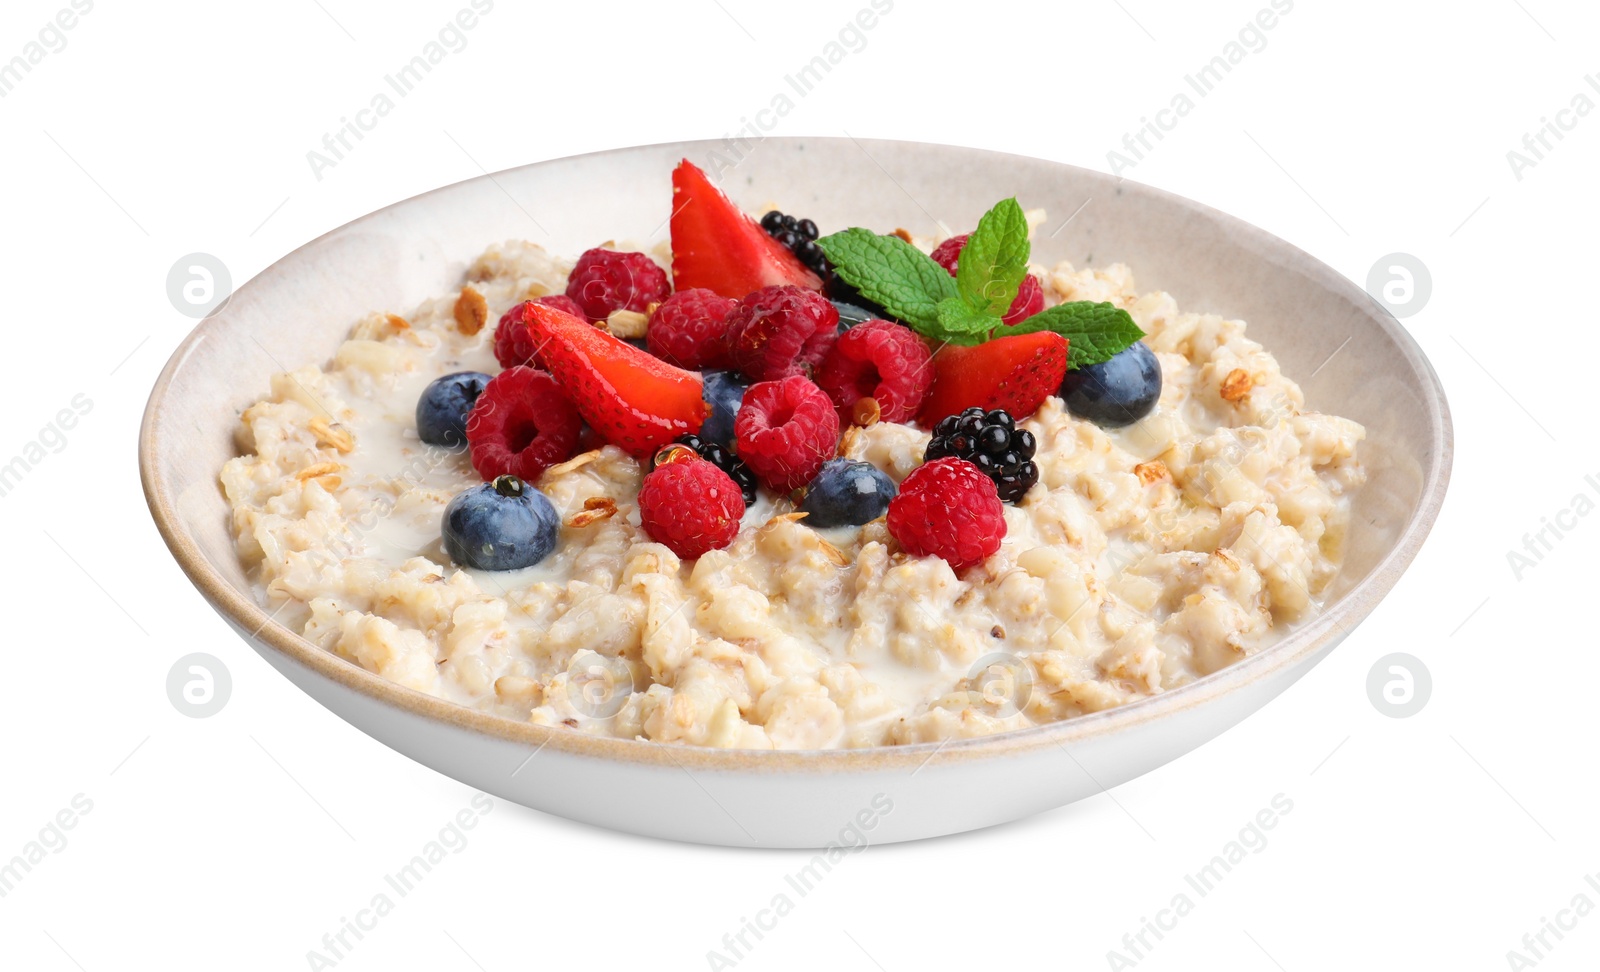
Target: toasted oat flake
{"points": [[1236, 386], [317, 469], [1151, 472], [576, 462], [471, 311], [595, 509], [865, 412], [335, 436], [626, 324]]}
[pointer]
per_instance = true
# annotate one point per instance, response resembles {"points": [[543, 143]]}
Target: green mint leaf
{"points": [[1095, 332], [892, 273], [995, 259], [956, 322]]}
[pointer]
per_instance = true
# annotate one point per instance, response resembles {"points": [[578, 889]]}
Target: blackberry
{"points": [[992, 442], [799, 236], [724, 460]]}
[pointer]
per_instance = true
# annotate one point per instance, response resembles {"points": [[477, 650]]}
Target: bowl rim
{"points": [[1306, 640]]}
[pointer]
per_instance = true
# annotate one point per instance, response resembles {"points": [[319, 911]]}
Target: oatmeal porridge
{"points": [[900, 569]]}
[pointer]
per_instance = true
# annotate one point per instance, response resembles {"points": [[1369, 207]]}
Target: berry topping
{"points": [[776, 332], [852, 314], [1030, 295], [1016, 373], [948, 508], [636, 401], [716, 246], [1117, 392], [689, 505], [442, 410], [992, 442], [521, 425], [718, 456], [847, 493], [724, 392], [798, 236], [503, 525], [880, 360], [786, 430], [690, 329], [604, 280], [513, 345]]}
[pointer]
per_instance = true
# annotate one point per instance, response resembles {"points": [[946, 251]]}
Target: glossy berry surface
{"points": [[604, 281], [521, 425], [992, 442], [847, 492], [776, 332], [690, 329], [948, 509], [444, 405], [724, 393], [514, 344], [1117, 392], [690, 506], [880, 360], [503, 525], [719, 456], [785, 431]]}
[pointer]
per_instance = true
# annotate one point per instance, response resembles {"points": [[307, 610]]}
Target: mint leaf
{"points": [[956, 322], [995, 259], [1094, 332], [890, 272]]}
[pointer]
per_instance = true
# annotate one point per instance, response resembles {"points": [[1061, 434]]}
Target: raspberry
{"points": [[949, 509], [690, 505], [604, 280], [879, 360], [689, 329], [776, 332], [513, 345], [521, 425], [785, 431], [1030, 295]]}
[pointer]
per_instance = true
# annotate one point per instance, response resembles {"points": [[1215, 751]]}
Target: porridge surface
{"points": [[1145, 558]]}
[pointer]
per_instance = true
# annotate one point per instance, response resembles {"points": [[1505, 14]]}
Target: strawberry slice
{"points": [[717, 247], [1015, 373], [636, 401]]}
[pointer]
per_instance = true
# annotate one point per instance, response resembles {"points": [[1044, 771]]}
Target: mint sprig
{"points": [[891, 273], [967, 309], [994, 259], [1094, 332]]}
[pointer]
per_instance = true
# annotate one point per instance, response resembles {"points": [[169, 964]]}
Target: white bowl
{"points": [[300, 308]]}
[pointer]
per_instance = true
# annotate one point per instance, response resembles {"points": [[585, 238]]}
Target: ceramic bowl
{"points": [[300, 309]]}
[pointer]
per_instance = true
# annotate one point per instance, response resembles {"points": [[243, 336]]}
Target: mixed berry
{"points": [[765, 343]]}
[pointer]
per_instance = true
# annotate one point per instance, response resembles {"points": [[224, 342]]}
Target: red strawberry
{"points": [[1014, 373], [717, 247], [637, 401]]}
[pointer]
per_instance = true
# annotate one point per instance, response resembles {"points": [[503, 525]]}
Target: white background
{"points": [[238, 841]]}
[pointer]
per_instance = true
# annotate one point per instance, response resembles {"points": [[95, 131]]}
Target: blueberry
{"points": [[724, 393], [847, 493], [442, 409], [1117, 392], [852, 314], [503, 525]]}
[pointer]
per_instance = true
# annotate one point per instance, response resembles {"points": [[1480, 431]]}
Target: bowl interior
{"points": [[300, 309]]}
